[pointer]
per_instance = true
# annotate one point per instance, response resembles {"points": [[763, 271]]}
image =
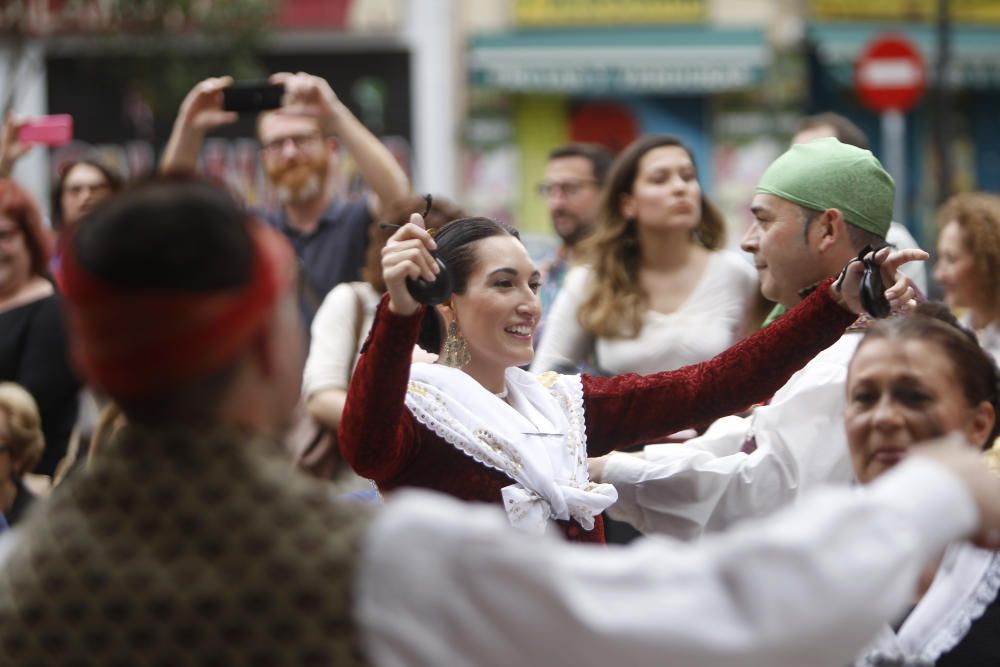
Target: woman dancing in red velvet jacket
{"points": [[477, 427]]}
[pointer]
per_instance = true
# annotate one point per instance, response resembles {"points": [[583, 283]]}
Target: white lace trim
{"points": [[954, 632], [574, 407], [477, 426], [949, 635], [570, 399], [426, 418]]}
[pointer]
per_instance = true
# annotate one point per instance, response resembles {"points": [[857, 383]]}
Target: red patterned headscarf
{"points": [[135, 342]]}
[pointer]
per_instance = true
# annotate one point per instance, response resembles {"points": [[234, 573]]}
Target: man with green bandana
{"points": [[836, 198], [829, 124], [816, 207]]}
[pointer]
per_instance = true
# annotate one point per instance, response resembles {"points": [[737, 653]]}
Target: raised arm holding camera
{"points": [[299, 144], [12, 148]]}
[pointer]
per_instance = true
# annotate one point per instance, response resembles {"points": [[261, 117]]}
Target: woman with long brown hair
{"points": [[658, 290]]}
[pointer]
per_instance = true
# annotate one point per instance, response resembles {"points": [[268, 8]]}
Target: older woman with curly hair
{"points": [[658, 292], [21, 446], [969, 262]]}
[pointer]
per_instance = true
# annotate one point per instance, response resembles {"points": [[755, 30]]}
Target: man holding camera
{"points": [[299, 143]]}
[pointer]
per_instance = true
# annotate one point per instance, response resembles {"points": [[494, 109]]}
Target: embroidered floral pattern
{"points": [[491, 440]]}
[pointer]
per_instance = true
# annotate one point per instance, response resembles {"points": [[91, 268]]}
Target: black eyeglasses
{"points": [[565, 188], [301, 142]]}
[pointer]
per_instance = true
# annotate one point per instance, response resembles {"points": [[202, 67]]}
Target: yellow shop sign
{"points": [[605, 12]]}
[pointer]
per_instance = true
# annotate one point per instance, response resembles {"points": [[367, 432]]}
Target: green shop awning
{"points": [[676, 59], [975, 51]]}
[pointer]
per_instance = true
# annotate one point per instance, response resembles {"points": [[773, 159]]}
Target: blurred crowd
{"points": [[209, 414]]}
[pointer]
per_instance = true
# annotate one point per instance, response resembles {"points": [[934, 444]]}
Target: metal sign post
{"points": [[890, 77]]}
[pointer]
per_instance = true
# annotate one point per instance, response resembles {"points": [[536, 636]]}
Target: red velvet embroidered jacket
{"points": [[382, 440]]}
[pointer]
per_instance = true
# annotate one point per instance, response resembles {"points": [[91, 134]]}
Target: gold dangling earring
{"points": [[456, 350]]}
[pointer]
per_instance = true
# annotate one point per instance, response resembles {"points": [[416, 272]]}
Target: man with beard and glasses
{"points": [[574, 176], [299, 144]]}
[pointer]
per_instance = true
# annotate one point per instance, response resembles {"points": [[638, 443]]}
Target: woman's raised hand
{"points": [[407, 254], [11, 149], [900, 293]]}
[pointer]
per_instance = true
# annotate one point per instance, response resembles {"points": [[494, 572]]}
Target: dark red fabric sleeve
{"points": [[632, 409], [377, 434]]}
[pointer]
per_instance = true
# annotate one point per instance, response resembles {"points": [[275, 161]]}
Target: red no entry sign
{"points": [[890, 74]]}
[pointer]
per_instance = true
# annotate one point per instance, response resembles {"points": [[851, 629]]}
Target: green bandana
{"points": [[825, 173]]}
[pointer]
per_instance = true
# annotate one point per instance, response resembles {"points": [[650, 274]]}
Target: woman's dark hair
{"points": [[974, 367], [455, 247], [442, 212], [111, 175], [18, 205]]}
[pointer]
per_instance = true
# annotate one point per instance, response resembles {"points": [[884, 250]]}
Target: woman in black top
{"points": [[33, 349]]}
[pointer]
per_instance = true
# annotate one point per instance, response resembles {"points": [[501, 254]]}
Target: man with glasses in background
{"points": [[574, 176], [299, 145]]}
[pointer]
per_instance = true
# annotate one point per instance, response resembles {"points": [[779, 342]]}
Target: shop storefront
{"points": [[564, 75]]}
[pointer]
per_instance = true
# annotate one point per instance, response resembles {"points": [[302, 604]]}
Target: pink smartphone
{"points": [[49, 130]]}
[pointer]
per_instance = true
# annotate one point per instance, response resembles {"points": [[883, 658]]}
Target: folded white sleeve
{"points": [[447, 583], [706, 483]]}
